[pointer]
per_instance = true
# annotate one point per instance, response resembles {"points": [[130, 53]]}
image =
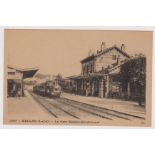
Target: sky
{"points": [[60, 51]]}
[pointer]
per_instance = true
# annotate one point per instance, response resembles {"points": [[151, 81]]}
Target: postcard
{"points": [[78, 77]]}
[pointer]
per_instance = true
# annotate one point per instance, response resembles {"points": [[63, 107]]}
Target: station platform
{"points": [[26, 108], [128, 107]]}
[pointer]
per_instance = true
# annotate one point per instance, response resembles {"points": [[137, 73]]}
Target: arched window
{"points": [[113, 57]]}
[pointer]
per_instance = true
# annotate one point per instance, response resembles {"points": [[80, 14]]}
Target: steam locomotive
{"points": [[48, 88]]}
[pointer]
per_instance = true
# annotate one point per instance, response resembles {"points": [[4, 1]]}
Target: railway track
{"points": [[63, 107], [52, 107], [110, 113], [59, 109]]}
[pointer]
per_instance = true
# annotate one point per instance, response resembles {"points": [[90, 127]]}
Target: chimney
{"points": [[123, 47], [103, 46]]}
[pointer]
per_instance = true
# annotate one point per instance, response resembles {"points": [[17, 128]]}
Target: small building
{"points": [[100, 73], [15, 77]]}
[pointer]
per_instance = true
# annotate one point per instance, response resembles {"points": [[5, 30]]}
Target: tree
{"points": [[133, 71]]}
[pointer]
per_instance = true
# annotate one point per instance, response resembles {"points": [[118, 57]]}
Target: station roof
{"points": [[27, 72], [104, 52], [91, 75]]}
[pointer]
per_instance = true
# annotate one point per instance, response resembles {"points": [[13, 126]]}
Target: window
{"points": [[87, 69], [113, 57], [11, 73], [91, 68], [84, 69]]}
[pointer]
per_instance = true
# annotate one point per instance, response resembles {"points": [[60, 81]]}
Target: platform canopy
{"points": [[89, 76], [27, 73]]}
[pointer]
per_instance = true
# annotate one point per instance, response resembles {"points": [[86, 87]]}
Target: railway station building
{"points": [[15, 78], [100, 73]]}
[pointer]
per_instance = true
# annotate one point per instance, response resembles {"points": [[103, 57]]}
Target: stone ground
{"points": [[26, 108]]}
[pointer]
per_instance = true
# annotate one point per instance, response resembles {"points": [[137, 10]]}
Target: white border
{"points": [[136, 28], [2, 73]]}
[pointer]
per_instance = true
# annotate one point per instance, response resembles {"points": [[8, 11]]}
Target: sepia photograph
{"points": [[78, 77]]}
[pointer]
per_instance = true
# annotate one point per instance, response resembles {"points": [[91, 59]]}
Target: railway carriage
{"points": [[48, 88]]}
